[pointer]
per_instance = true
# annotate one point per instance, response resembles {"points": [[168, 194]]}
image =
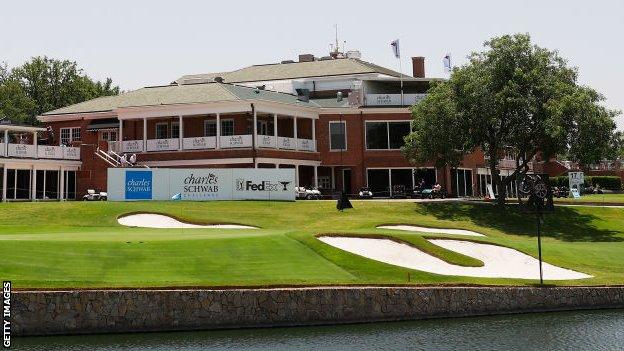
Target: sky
{"points": [[143, 43]]}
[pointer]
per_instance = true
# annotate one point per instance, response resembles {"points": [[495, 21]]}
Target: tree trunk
{"points": [[496, 179]]}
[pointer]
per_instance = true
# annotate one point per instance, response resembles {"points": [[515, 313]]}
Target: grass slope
{"points": [[76, 244]]}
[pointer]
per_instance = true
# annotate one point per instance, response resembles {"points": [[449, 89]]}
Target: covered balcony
{"points": [[27, 142]]}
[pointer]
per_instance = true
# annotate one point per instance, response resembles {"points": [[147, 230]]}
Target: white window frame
{"points": [[387, 132], [105, 135], [177, 124], [324, 182], [206, 123], [345, 135], [70, 137], [159, 124]]}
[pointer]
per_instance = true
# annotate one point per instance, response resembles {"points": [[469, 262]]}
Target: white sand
{"points": [[152, 220], [413, 228], [499, 262]]}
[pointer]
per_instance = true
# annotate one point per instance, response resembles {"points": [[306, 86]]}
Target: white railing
{"points": [[392, 99], [266, 141], [199, 143], [41, 151], [163, 144], [132, 146], [286, 143], [235, 141], [306, 145]]}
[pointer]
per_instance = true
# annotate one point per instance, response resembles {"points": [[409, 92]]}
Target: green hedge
{"points": [[605, 182]]}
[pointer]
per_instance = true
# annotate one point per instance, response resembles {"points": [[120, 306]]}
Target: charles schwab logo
{"points": [[248, 185], [138, 185]]}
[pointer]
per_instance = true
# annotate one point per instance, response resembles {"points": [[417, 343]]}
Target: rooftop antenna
{"points": [[335, 48]]}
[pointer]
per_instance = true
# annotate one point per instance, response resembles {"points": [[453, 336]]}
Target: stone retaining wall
{"points": [[110, 311]]}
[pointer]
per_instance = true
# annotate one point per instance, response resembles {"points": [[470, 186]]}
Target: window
{"points": [[108, 135], [175, 130], [386, 135], [162, 131], [68, 135], [227, 127], [337, 135], [210, 128], [324, 182]]}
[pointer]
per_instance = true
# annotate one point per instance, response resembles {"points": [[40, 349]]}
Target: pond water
{"points": [[579, 330]]}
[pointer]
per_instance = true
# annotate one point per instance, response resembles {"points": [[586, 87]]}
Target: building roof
{"points": [[179, 94], [281, 71]]}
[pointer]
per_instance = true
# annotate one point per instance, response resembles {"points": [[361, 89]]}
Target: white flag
{"points": [[395, 48], [447, 62]]}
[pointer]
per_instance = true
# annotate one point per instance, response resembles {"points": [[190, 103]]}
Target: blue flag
{"points": [[176, 197]]}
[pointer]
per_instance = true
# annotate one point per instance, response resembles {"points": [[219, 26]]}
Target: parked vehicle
{"points": [[365, 193], [307, 194], [417, 193], [561, 191], [92, 195], [433, 194]]}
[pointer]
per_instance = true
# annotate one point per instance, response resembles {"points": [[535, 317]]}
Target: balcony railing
{"points": [[40, 151], [208, 143]]}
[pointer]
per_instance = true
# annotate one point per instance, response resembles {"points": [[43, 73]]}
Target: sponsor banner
{"points": [[265, 141], [199, 143], [46, 151], [71, 153], [22, 150], [235, 141], [286, 143], [130, 184], [132, 146], [2, 149], [163, 144], [392, 99], [306, 144]]}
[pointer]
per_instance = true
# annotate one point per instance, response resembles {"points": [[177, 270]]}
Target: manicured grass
{"points": [[77, 244], [597, 198]]}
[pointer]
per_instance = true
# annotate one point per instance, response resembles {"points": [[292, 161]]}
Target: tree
{"points": [[517, 96], [47, 84], [430, 140]]}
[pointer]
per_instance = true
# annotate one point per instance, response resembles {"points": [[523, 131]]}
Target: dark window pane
{"points": [[376, 135], [379, 182], [51, 179], [398, 131], [23, 184], [40, 176], [10, 184], [337, 136]]}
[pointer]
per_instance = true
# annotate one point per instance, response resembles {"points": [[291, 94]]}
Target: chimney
{"points": [[418, 66]]}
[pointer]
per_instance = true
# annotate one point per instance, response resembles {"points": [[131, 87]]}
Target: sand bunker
{"points": [[152, 220], [499, 262], [413, 228]]}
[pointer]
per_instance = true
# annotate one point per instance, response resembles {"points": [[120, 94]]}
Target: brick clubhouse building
{"points": [[338, 120]]}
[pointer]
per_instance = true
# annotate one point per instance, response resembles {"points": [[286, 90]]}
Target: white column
{"points": [[255, 128], [275, 130], [144, 134], [6, 144], [333, 177], [4, 182], [33, 183], [315, 177], [218, 131], [35, 144], [296, 175], [181, 129], [313, 129], [62, 184], [295, 128], [120, 136], [389, 182]]}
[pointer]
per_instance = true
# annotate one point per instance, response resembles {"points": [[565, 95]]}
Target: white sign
{"points": [[235, 141], [128, 184], [576, 181], [265, 141], [393, 99], [22, 150], [71, 153], [163, 144], [2, 149], [132, 146], [46, 151], [199, 143], [306, 144], [286, 143]]}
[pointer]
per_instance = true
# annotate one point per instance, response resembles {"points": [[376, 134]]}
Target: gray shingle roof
{"points": [[183, 94], [278, 71]]}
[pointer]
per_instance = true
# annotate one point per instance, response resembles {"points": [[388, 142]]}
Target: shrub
{"points": [[605, 182]]}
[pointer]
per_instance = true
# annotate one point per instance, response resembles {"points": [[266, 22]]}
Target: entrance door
{"points": [[346, 180]]}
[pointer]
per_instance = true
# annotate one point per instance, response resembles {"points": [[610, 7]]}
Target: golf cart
{"points": [[365, 193], [302, 193], [93, 196], [398, 192], [433, 194]]}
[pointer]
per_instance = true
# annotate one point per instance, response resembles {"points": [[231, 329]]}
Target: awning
{"points": [[99, 124]]}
